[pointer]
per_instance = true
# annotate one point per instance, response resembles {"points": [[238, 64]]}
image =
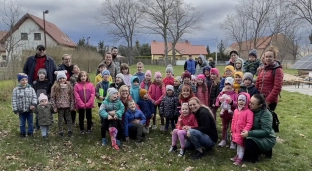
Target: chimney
{"points": [[154, 41], [186, 41]]}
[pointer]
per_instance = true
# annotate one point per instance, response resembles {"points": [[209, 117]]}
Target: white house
{"points": [[28, 33]]}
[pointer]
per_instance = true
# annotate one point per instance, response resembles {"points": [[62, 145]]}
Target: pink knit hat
{"points": [[157, 74], [148, 72], [201, 76], [214, 71]]}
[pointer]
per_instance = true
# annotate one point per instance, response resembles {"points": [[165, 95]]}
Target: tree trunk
{"points": [[173, 55]]}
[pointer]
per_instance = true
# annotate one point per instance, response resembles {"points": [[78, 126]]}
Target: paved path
{"points": [[305, 90]]}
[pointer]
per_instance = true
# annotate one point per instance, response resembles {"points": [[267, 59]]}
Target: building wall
{"points": [[178, 56]]}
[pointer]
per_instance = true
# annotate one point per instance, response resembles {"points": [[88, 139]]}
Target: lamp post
{"points": [[44, 31]]}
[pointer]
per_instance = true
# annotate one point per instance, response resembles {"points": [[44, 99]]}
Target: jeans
{"points": [[44, 130], [198, 140], [29, 117]]}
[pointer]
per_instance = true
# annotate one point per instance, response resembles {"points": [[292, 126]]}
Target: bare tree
{"points": [[123, 16], [302, 8]]}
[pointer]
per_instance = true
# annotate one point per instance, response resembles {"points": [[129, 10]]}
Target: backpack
{"points": [[275, 122]]}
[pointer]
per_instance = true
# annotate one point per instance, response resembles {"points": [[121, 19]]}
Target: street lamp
{"points": [[44, 34]]}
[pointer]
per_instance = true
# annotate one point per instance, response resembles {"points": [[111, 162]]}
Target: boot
{"points": [[23, 135], [104, 142], [113, 133]]}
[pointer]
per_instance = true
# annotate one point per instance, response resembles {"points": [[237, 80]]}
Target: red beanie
{"points": [[214, 71], [187, 74], [201, 76]]}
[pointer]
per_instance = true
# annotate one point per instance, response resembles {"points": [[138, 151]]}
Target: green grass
{"points": [[84, 152]]}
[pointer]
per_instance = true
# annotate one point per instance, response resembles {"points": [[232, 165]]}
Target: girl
{"points": [[84, 98], [176, 85], [124, 69], [146, 83], [44, 112], [239, 65], [62, 101], [206, 72], [73, 78], [186, 120], [202, 89], [238, 77], [119, 81], [185, 94], [214, 90], [226, 116], [242, 121], [228, 72], [169, 80], [155, 93], [193, 80]]}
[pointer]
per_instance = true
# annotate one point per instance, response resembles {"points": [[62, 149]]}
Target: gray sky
{"points": [[76, 19]]}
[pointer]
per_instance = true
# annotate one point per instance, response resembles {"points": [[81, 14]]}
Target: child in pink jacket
{"points": [[243, 119], [84, 97], [202, 89]]}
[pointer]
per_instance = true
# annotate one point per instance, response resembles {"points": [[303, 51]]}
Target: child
{"points": [[239, 65], [193, 80], [140, 73], [252, 64], [247, 85], [119, 81], [135, 88], [202, 90], [186, 76], [44, 113], [124, 69], [24, 99], [243, 119], [169, 79], [228, 72], [169, 107], [238, 77], [111, 111], [99, 76], [134, 123], [214, 90], [186, 120], [147, 107], [84, 98], [227, 117], [102, 87], [146, 83], [62, 101], [176, 85], [186, 94], [155, 92], [74, 77], [206, 72]]}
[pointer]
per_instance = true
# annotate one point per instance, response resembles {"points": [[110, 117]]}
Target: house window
{"points": [[37, 36], [24, 36], [3, 57]]}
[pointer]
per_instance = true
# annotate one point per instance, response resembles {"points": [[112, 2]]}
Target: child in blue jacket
{"points": [[147, 107]]}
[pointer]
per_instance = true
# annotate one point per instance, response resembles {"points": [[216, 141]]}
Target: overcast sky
{"points": [[76, 19]]}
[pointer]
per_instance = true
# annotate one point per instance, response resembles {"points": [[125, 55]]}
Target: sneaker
{"points": [[198, 155], [88, 131], [23, 135], [238, 162], [234, 158], [172, 149], [82, 132], [147, 130], [182, 152], [233, 146], [162, 128], [222, 143], [70, 133], [154, 127], [61, 134], [30, 134], [104, 142]]}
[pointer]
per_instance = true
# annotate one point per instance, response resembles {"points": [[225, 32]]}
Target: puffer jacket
{"points": [[135, 90], [145, 85], [242, 121], [268, 85], [168, 81], [214, 91], [147, 107], [169, 107], [188, 120], [109, 105], [131, 116], [84, 95], [203, 97], [44, 114], [200, 67], [23, 98], [251, 90], [156, 93], [233, 96], [251, 66], [64, 99]]}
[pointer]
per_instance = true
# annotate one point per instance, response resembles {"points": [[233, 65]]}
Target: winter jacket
{"points": [[176, 91], [251, 66], [206, 123], [203, 97], [145, 85], [127, 79], [69, 70], [134, 90], [130, 116], [262, 132], [233, 96], [242, 121], [109, 105], [64, 98], [200, 67], [117, 86], [208, 81], [189, 120], [212, 64], [44, 114], [251, 90], [42, 87], [100, 90], [169, 107], [168, 81], [30, 64], [156, 93], [190, 66], [140, 75], [270, 85], [112, 70], [99, 78], [213, 93], [192, 86], [117, 63], [23, 98], [147, 107], [222, 84], [84, 95]]}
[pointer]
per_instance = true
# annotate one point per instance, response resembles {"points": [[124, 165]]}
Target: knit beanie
{"points": [[238, 60], [169, 68], [42, 97], [21, 76], [242, 97], [157, 74], [61, 74], [143, 92], [206, 68], [239, 73], [169, 87], [111, 91], [230, 67], [186, 74], [201, 76], [105, 72], [120, 75], [178, 78], [248, 76], [42, 70], [229, 80], [214, 71], [233, 51], [148, 72], [253, 52], [193, 77]]}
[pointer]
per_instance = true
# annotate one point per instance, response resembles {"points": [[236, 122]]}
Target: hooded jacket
{"points": [[169, 106], [251, 90], [147, 107], [155, 92], [23, 98], [84, 95], [242, 121], [203, 97], [109, 105], [200, 67], [145, 85], [44, 114], [233, 96], [135, 90], [130, 116], [140, 75]]}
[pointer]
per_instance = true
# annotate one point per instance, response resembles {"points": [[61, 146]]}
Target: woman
{"points": [[270, 80], [261, 138], [201, 63], [211, 63], [205, 135]]}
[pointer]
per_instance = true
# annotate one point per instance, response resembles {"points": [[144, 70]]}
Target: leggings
{"points": [[171, 120], [252, 151], [82, 116], [226, 123], [181, 134], [162, 120]]}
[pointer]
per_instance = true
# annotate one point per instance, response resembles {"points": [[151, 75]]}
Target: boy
{"points": [[99, 77], [147, 107], [252, 64], [102, 87], [140, 74], [238, 78], [24, 99], [135, 88], [247, 85]]}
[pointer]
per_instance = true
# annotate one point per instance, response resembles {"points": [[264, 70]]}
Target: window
{"points": [[3, 57], [37, 36], [24, 36]]}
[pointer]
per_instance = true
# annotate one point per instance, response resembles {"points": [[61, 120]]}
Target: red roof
{"points": [[2, 34], [184, 48]]}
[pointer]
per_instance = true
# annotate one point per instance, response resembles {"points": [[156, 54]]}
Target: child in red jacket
{"points": [[202, 89], [169, 79]]}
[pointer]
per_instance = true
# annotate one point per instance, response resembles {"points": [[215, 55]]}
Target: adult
{"points": [[270, 80], [110, 65], [190, 65], [66, 65], [212, 64], [261, 138], [117, 61], [201, 63], [234, 56], [39, 60], [205, 135]]}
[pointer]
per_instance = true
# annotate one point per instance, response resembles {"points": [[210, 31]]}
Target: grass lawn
{"points": [[84, 152]]}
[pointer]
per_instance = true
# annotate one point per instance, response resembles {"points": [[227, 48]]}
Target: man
{"points": [[66, 65], [115, 59], [190, 65], [40, 60]]}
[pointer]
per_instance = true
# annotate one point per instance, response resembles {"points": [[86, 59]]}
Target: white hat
{"points": [[169, 87], [61, 74], [42, 97], [229, 80], [120, 75], [111, 91]]}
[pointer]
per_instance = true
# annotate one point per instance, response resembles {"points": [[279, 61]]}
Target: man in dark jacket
{"points": [[40, 60]]}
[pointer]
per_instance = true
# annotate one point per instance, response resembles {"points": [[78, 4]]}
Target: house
{"points": [[28, 32], [2, 50], [183, 50]]}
